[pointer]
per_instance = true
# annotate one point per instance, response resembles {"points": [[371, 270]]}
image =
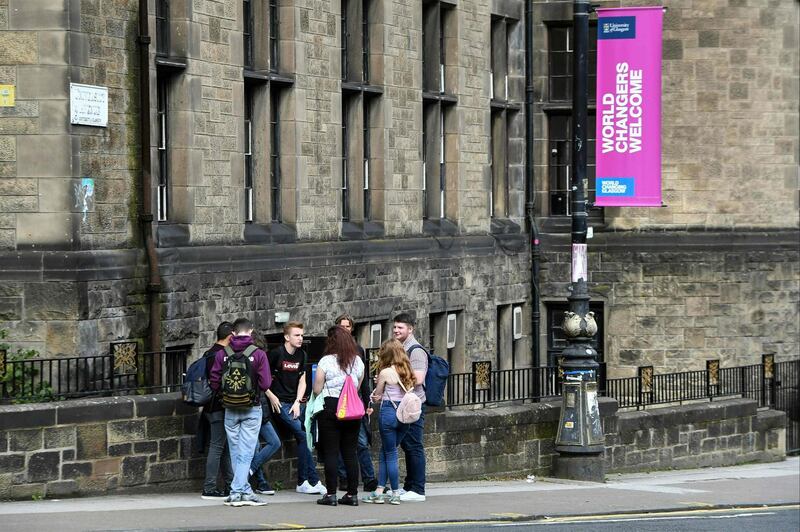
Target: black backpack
{"points": [[239, 384]]}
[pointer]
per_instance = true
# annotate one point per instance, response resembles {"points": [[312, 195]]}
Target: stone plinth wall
{"points": [[714, 434], [87, 447]]}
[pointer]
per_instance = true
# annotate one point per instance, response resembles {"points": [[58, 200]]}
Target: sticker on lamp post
{"points": [[579, 263], [88, 105]]}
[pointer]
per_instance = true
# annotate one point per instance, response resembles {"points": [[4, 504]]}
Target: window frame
{"points": [[162, 17], [504, 110], [249, 210], [163, 195], [438, 100], [275, 189], [358, 98], [557, 107]]}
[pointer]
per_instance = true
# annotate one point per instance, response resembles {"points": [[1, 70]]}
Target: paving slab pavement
{"points": [[739, 486]]}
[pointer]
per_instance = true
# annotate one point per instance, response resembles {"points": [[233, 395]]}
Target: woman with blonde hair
{"points": [[394, 377]]}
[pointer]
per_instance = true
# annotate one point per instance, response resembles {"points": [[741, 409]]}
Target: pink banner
{"points": [[628, 137]]}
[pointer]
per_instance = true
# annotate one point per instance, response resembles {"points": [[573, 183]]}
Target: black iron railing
{"points": [[483, 385], [772, 384], [121, 372], [758, 381]]}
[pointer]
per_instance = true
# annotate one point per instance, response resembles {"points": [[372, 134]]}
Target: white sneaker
{"points": [[411, 496], [316, 489], [399, 492], [305, 487]]}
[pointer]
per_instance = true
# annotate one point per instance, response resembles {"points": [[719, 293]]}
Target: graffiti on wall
{"points": [[84, 196]]}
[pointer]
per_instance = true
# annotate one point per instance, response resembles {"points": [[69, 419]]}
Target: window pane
{"points": [[560, 64], [558, 39], [560, 89]]}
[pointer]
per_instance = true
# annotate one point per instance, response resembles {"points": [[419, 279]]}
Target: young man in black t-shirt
{"points": [[288, 363]]}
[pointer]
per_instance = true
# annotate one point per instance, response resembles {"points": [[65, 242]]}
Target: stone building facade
{"points": [[368, 156], [714, 273]]}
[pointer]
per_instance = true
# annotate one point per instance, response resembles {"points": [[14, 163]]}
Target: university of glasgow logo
{"points": [[617, 28]]}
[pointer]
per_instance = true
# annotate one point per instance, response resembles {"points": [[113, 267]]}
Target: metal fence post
{"points": [[712, 377], [645, 384], [742, 386], [768, 364], [482, 379]]}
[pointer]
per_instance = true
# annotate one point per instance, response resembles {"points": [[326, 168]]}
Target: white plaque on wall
{"points": [[88, 105]]}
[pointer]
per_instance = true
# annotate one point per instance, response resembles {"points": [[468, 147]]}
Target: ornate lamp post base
{"points": [[580, 467], [580, 439]]}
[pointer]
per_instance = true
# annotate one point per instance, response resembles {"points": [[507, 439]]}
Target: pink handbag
{"points": [[350, 405]]}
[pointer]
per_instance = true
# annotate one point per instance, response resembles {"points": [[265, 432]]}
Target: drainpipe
{"points": [[530, 198], [146, 213]]}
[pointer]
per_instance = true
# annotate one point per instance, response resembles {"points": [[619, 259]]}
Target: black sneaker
{"points": [[327, 500], [212, 495], [264, 489], [349, 500]]}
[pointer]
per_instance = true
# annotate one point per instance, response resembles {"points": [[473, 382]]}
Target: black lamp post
{"points": [[579, 441]]}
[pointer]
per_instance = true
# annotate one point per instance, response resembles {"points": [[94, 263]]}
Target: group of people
{"points": [[277, 384]]}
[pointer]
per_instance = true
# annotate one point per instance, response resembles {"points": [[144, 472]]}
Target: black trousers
{"points": [[334, 437]]}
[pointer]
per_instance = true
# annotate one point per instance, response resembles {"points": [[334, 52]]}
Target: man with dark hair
{"points": [[214, 414], [286, 395], [414, 485], [364, 458], [241, 373]]}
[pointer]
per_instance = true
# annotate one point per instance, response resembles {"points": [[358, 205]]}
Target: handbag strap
{"points": [[400, 382]]}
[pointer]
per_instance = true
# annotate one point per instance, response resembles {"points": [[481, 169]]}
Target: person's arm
{"points": [[294, 411], [319, 381], [301, 391], [274, 401], [216, 372], [377, 393], [419, 365], [264, 374]]}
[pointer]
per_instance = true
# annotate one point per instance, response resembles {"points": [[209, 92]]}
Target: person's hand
{"points": [[370, 410], [295, 410], [275, 402]]}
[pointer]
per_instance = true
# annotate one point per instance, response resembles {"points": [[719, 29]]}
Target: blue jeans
{"points": [[271, 445], [392, 433], [415, 456], [364, 458], [306, 468], [242, 426]]}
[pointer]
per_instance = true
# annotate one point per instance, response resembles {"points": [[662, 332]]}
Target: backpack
{"points": [[435, 378], [410, 407], [349, 406], [195, 389], [239, 385]]}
